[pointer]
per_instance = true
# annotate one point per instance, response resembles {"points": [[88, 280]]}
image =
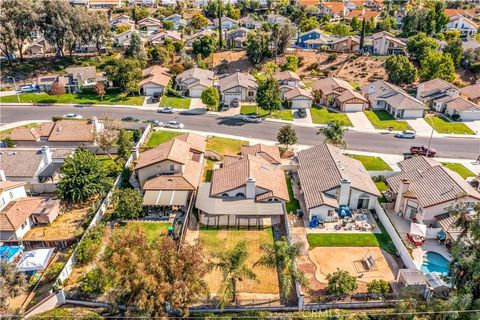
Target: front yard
{"points": [[324, 116], [276, 114], [443, 126], [85, 98], [225, 146], [175, 102], [459, 168], [159, 137], [383, 120], [372, 163]]}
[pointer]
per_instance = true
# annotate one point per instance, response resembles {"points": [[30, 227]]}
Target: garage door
{"points": [[353, 107], [151, 91], [470, 115], [196, 93], [229, 97]]}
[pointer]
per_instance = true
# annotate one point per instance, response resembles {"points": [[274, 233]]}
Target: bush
{"points": [[9, 142], [137, 134], [93, 283], [378, 286], [54, 271], [332, 57], [90, 246]]}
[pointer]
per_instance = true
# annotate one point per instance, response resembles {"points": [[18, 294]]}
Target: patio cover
{"points": [[165, 198], [418, 229], [35, 260]]}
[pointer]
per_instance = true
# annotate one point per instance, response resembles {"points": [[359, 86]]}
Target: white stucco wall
{"points": [[11, 195], [153, 170]]}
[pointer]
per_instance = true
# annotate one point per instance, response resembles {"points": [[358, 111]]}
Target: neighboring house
{"points": [[385, 43], [347, 44], [247, 191], [363, 14], [79, 2], [308, 3], [159, 38], [288, 80], [198, 35], [82, 77], [425, 189], [431, 91], [122, 20], [466, 26], [329, 179], [276, 18], [469, 13], [236, 38], [250, 22], [193, 81], [336, 10], [149, 25], [169, 174], [267, 152], [337, 93], [45, 83], [238, 86], [227, 23], [313, 39], [156, 79], [104, 4], [39, 46], [298, 98], [394, 100], [144, 3], [472, 92], [178, 21], [462, 108], [123, 39]]}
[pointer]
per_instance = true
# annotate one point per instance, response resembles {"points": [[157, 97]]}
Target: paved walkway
{"points": [[420, 126], [196, 103], [360, 121], [302, 121], [474, 125]]}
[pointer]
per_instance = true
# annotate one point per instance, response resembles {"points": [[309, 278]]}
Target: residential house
{"points": [[374, 4], [347, 44], [337, 93], [425, 189], [385, 43], [170, 173], [267, 152], [469, 13], [123, 39], [104, 4], [472, 92], [275, 18], [178, 21], [329, 179], [247, 191], [193, 81], [143, 3], [288, 80], [412, 281], [394, 100], [466, 26], [39, 47], [313, 39], [461, 109], [79, 2], [122, 20], [160, 37], [237, 86], [155, 80], [237, 38], [250, 22], [354, 4], [149, 25], [227, 23], [82, 77], [432, 92], [198, 35], [298, 98], [308, 3], [336, 10], [45, 83], [168, 2], [362, 14]]}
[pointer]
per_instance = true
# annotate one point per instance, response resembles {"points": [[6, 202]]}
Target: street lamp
{"points": [[430, 140], [15, 86]]}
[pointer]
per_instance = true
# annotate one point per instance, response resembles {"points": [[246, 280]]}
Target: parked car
{"points": [[156, 123], [423, 151], [72, 116], [302, 113], [224, 107], [166, 110], [174, 124], [406, 134], [252, 119], [130, 119], [29, 88], [235, 103], [156, 97]]}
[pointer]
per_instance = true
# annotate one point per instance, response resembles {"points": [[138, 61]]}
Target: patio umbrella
{"points": [[418, 229], [344, 211]]}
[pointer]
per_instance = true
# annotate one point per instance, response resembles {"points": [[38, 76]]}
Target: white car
{"points": [[72, 116], [28, 88], [406, 134], [174, 124]]}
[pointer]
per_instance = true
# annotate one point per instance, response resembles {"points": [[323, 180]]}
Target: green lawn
{"points": [[293, 204], [381, 186], [175, 102], [86, 98], [324, 116], [277, 114], [459, 168], [443, 126], [159, 137], [225, 146], [208, 170], [153, 230], [383, 120], [372, 163]]}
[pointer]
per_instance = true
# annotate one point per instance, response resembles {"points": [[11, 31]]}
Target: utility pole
{"points": [[15, 86], [430, 140]]}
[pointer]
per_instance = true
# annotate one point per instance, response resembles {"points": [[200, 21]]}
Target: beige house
{"points": [[156, 79], [466, 26], [267, 152], [433, 90], [472, 92], [298, 98], [385, 43], [425, 189], [336, 10], [347, 44], [237, 86], [338, 93], [193, 81]]}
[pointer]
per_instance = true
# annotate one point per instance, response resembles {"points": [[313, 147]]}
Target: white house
{"points": [[463, 24], [238, 86], [298, 98], [227, 23], [465, 109], [193, 81], [433, 90], [385, 43], [178, 21]]}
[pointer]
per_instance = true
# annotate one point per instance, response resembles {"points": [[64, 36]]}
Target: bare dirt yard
{"points": [[236, 61], [362, 70]]}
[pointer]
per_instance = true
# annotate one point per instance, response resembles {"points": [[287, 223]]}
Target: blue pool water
{"points": [[435, 262], [7, 253]]}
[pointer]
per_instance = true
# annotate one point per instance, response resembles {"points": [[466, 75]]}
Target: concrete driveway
{"points": [[360, 121], [302, 121], [474, 125], [196, 103], [420, 126]]}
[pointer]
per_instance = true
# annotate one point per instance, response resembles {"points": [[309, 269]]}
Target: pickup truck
{"points": [[423, 151]]}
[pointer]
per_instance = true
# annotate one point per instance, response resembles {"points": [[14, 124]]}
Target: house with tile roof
{"points": [[466, 26], [361, 14], [246, 191], [425, 189], [193, 81], [298, 98], [346, 44], [170, 173], [159, 37], [385, 43], [432, 90], [393, 99], [155, 80], [238, 86], [267, 152], [462, 109], [330, 179], [337, 93], [336, 10], [313, 39], [472, 92], [104, 4]]}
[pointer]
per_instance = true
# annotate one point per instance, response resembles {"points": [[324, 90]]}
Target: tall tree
{"points": [[269, 94], [455, 49], [233, 264], [400, 70], [341, 282], [198, 21], [282, 34], [219, 16], [204, 46], [98, 30], [257, 46], [124, 144], [106, 139], [125, 74], [362, 36], [287, 135], [7, 35], [211, 97], [437, 65], [56, 23], [12, 283], [420, 44], [135, 49]]}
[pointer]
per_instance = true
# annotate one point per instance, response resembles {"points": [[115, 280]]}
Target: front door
{"points": [[363, 203]]}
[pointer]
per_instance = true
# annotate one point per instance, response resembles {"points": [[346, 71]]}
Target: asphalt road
{"points": [[462, 148]]}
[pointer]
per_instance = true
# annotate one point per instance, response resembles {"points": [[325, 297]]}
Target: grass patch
{"points": [[175, 102], [225, 146], [443, 126], [381, 186], [208, 170], [459, 168], [372, 163], [277, 114], [85, 98], [383, 120], [153, 230], [159, 137], [293, 204], [324, 116]]}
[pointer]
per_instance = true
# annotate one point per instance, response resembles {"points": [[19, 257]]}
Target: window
{"points": [[172, 167], [330, 213], [250, 93], [240, 195], [225, 195], [11, 195]]}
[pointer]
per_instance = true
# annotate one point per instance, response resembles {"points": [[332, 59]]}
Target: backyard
{"points": [[443, 126], [159, 137], [372, 163], [293, 204], [459, 168], [225, 146], [276, 114], [175, 102], [153, 230], [383, 120], [208, 170], [323, 116], [86, 98]]}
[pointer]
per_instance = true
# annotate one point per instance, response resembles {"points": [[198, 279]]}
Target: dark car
{"points": [[130, 119], [423, 151], [302, 113], [156, 97]]}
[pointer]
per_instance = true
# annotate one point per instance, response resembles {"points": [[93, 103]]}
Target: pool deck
{"points": [[429, 245]]}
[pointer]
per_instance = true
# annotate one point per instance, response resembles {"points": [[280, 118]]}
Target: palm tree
{"points": [[282, 254], [335, 132], [233, 265]]}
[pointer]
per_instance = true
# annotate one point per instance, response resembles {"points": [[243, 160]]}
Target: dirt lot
{"points": [[363, 70], [237, 61]]}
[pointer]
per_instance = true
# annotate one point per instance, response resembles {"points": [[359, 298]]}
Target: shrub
{"points": [[332, 57], [54, 271], [9, 142], [378, 286], [90, 246], [93, 283], [137, 134]]}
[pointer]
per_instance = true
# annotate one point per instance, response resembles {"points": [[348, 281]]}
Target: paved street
{"points": [[464, 148]]}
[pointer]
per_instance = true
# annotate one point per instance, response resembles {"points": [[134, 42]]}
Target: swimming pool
{"points": [[435, 262], [8, 253]]}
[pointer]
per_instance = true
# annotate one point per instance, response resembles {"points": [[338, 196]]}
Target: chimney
{"points": [[344, 195], [404, 184], [2, 176], [135, 153], [97, 125], [47, 155], [250, 188]]}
